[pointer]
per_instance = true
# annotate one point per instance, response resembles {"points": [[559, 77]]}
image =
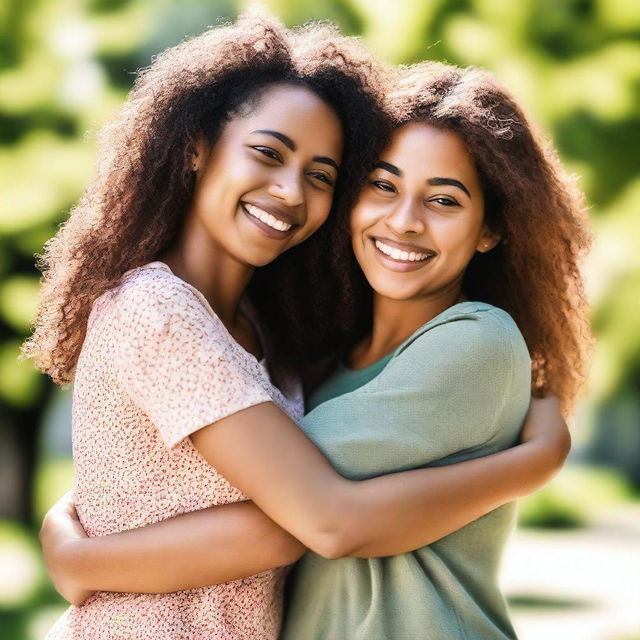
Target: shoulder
{"points": [[471, 332], [151, 286], [153, 298]]}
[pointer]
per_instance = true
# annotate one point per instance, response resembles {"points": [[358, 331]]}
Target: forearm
{"points": [[425, 505], [402, 512], [280, 469], [192, 550]]}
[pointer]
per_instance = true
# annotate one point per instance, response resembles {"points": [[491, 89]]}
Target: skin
{"points": [[282, 157], [424, 196], [297, 499]]}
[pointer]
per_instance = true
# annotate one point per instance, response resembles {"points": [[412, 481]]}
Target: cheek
{"points": [[238, 169], [459, 237], [362, 217], [318, 208]]}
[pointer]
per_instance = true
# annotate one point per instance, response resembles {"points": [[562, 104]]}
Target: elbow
{"points": [[565, 448], [335, 527], [338, 541], [329, 545]]}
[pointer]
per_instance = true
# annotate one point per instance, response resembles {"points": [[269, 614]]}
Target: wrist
{"points": [[66, 561]]}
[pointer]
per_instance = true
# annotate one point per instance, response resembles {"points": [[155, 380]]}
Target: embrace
{"points": [[305, 303]]}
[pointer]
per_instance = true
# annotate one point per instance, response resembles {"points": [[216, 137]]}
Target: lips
{"points": [[274, 221], [402, 252]]}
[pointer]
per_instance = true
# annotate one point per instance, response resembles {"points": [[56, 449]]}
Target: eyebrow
{"points": [[450, 181], [325, 160], [391, 168], [286, 140], [435, 182]]}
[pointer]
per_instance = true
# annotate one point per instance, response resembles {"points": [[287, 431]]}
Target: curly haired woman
{"points": [[225, 156], [468, 223]]}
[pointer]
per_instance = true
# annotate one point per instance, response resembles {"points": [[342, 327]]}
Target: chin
{"points": [[259, 255], [262, 261], [393, 291]]}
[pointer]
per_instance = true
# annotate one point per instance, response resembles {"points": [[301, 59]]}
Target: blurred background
{"points": [[572, 570]]}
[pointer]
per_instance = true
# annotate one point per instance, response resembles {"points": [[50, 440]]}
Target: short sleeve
{"points": [[176, 360], [464, 384]]}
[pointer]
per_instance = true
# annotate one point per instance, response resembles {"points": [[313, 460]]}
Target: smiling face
{"points": [[267, 183], [420, 218]]}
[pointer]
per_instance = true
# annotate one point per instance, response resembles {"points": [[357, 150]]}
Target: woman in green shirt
{"points": [[464, 215], [444, 375]]}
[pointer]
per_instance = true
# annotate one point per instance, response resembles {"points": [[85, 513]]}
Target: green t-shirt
{"points": [[458, 388], [345, 380]]}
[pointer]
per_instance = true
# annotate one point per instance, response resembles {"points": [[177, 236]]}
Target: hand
{"points": [[546, 429], [61, 529]]}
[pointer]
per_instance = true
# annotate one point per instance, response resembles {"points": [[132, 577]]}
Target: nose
{"points": [[406, 218], [287, 187]]}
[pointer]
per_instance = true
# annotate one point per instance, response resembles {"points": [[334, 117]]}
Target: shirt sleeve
{"points": [[176, 360], [464, 386]]}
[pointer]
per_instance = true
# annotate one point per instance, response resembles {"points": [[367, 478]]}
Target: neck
{"points": [[221, 278], [395, 320]]}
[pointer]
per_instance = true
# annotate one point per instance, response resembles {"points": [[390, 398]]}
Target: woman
{"points": [[467, 215], [164, 363], [247, 129]]}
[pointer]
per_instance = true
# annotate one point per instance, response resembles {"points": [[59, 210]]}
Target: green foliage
{"points": [[550, 510], [54, 478], [574, 64], [28, 603], [573, 498], [20, 384]]}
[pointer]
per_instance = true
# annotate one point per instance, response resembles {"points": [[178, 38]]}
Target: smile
{"points": [[401, 255], [266, 218]]}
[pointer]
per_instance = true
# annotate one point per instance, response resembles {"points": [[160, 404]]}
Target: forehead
{"points": [[296, 112], [421, 150]]}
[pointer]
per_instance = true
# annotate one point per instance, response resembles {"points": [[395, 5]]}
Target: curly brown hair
{"points": [[530, 201], [134, 208]]}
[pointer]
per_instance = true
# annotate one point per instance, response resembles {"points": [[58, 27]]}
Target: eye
{"points": [[445, 201], [382, 185], [323, 177], [268, 152]]}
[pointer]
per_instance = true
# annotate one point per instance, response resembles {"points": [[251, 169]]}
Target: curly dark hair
{"points": [[134, 208], [530, 201]]}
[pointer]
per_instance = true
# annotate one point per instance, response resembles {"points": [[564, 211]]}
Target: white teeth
{"points": [[396, 254], [267, 218]]}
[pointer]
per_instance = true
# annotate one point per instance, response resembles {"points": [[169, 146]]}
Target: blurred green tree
{"points": [[575, 64]]}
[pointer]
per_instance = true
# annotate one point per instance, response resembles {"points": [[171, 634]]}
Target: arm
{"points": [[287, 477], [232, 541], [460, 385], [502, 477], [175, 348], [219, 544]]}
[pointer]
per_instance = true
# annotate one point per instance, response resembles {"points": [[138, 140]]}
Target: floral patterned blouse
{"points": [[156, 365]]}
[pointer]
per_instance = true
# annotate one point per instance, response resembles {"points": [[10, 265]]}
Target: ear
{"points": [[199, 154], [488, 240]]}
